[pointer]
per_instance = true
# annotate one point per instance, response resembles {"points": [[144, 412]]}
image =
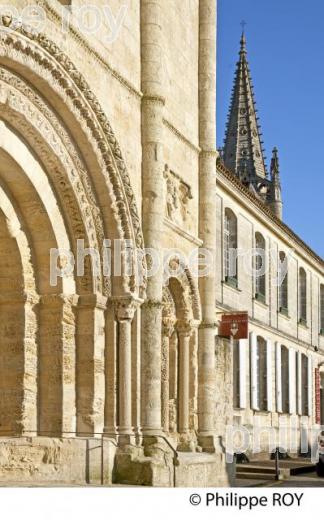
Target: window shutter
{"points": [[292, 381], [278, 377], [243, 372], [299, 384], [269, 376], [310, 387], [254, 371]]}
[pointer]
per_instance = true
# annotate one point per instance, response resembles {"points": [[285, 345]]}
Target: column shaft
{"points": [[57, 407], [153, 208], [207, 213], [90, 364], [165, 382], [125, 377], [111, 398], [184, 354], [125, 311], [18, 365]]}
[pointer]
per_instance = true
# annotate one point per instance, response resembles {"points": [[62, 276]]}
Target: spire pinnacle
{"points": [[243, 153], [274, 163], [275, 196]]}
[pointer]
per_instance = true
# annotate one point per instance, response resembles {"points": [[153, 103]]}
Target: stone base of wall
{"points": [[79, 461], [189, 470], [43, 460], [203, 470]]}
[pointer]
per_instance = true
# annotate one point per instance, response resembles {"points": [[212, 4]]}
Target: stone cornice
{"points": [[228, 180], [181, 136], [180, 231]]}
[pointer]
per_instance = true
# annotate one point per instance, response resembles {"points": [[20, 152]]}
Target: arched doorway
{"points": [[64, 192], [180, 321]]}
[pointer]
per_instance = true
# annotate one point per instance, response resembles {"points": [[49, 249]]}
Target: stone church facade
{"points": [[121, 377]]}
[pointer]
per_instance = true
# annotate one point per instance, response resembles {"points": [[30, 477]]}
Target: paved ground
{"points": [[306, 480], [303, 480]]}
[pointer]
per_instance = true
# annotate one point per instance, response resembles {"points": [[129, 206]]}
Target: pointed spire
{"points": [[243, 152], [243, 43], [275, 196]]}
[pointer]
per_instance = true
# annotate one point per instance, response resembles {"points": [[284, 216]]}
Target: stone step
{"points": [[254, 476], [286, 468], [247, 468], [298, 470]]}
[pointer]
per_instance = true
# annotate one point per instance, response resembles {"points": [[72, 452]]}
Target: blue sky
{"points": [[285, 43]]}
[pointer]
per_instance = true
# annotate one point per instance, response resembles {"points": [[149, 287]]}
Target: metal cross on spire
{"points": [[243, 25]]}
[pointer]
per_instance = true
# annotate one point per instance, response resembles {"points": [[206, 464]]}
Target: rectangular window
{"points": [[302, 296], [304, 367], [227, 247], [322, 310], [262, 375], [283, 283], [285, 379], [236, 374], [297, 382]]}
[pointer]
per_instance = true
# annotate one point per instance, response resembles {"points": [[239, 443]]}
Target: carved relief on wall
{"points": [[178, 197]]}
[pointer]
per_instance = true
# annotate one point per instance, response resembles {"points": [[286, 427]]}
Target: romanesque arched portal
{"points": [[181, 316], [62, 179]]}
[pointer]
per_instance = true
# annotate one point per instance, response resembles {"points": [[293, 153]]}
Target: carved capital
{"points": [[184, 328], [168, 326], [125, 309]]}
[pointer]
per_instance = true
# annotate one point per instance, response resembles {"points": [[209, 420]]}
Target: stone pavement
{"points": [[262, 473], [304, 480]]}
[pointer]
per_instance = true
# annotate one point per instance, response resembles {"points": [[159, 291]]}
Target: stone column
{"points": [[167, 331], [18, 364], [207, 218], [193, 372], [110, 428], [90, 364], [57, 355], [125, 310], [136, 373], [184, 332], [153, 209]]}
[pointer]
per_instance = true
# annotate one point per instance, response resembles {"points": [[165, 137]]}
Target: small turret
{"points": [[275, 197]]}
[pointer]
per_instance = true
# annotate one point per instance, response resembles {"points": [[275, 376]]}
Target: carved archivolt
{"points": [[183, 291], [25, 110], [14, 226], [24, 50]]}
